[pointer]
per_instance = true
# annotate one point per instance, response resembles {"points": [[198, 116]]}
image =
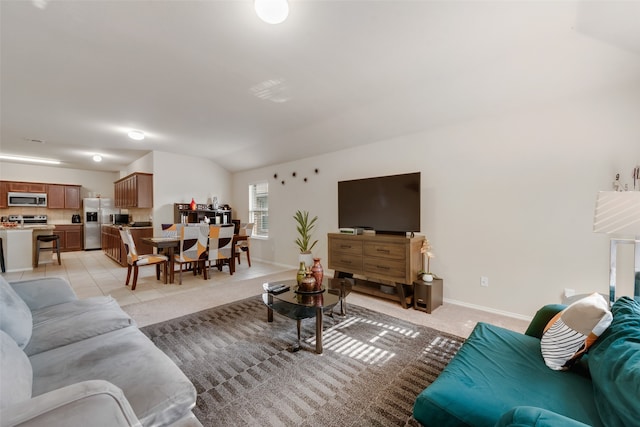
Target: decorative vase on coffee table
{"points": [[318, 272], [308, 283], [301, 273]]}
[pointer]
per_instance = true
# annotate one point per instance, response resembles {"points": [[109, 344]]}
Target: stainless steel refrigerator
{"points": [[96, 211]]}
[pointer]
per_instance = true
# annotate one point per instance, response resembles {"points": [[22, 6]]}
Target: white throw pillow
{"points": [[570, 333]]}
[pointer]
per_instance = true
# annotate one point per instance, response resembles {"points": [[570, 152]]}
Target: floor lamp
{"points": [[618, 214]]}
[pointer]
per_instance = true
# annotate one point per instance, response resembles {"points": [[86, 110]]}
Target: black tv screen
{"points": [[385, 204]]}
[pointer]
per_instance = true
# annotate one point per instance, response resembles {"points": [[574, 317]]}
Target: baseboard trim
{"points": [[489, 309]]}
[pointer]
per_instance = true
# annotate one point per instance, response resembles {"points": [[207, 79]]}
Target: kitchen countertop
{"points": [[30, 227], [126, 226]]}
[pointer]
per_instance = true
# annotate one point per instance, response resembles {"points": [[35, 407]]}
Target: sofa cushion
{"points": [[527, 416], [15, 372], [73, 321], [572, 331], [494, 371], [15, 316], [614, 363], [156, 388]]}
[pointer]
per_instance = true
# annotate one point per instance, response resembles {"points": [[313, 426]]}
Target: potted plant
{"points": [[305, 228], [426, 275]]}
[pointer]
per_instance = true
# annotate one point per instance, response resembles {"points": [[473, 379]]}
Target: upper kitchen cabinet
{"points": [[63, 196], [26, 187], [3, 194], [134, 191]]}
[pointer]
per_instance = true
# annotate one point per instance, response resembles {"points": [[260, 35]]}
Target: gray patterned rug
{"points": [[370, 373]]}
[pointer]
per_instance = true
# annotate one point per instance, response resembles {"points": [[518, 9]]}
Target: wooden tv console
{"points": [[387, 264]]}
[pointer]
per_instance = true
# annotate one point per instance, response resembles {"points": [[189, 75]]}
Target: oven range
{"points": [[29, 219]]}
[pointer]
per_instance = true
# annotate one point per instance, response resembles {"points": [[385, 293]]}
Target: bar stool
{"points": [[2, 256], [54, 239]]}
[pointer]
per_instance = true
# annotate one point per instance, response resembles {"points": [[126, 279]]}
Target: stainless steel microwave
{"points": [[27, 199]]}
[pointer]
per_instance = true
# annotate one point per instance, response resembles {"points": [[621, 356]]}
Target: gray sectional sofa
{"points": [[71, 362]]}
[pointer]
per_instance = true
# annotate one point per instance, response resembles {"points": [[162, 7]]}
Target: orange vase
{"points": [[193, 204], [318, 272]]}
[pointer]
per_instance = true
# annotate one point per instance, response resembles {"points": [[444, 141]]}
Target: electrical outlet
{"points": [[484, 281]]}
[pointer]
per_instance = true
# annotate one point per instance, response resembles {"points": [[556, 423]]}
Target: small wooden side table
{"points": [[427, 296]]}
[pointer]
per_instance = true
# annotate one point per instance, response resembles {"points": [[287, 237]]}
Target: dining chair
{"points": [[243, 245], [169, 230], [220, 244], [193, 247], [134, 260]]}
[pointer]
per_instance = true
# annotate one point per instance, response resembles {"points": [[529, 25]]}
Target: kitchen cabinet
{"points": [[70, 237], [4, 201], [63, 196], [134, 191], [27, 187]]}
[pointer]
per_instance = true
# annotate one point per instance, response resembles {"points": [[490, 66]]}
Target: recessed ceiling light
{"points": [[272, 11], [29, 159], [97, 158], [138, 135]]}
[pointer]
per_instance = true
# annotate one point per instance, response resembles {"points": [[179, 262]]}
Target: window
{"points": [[259, 208]]}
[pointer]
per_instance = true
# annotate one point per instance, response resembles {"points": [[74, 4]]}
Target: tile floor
{"points": [[91, 273]]}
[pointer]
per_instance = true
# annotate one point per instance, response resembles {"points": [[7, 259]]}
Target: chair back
{"points": [[169, 230], [246, 229], [220, 241], [193, 243], [129, 245]]}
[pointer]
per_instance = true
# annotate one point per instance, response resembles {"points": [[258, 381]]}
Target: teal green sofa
{"points": [[499, 378]]}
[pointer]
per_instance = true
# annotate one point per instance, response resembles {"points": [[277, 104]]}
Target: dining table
{"points": [[169, 245]]}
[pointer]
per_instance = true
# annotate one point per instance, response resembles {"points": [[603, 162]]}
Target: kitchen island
{"points": [[19, 246]]}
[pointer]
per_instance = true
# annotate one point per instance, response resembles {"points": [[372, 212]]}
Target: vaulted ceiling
{"points": [[209, 79]]}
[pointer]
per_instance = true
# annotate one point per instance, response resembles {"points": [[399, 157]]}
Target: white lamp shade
{"points": [[272, 11], [618, 212]]}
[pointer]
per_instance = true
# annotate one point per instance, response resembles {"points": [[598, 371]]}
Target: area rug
{"points": [[372, 368]]}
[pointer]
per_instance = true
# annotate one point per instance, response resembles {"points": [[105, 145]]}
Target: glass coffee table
{"points": [[298, 306]]}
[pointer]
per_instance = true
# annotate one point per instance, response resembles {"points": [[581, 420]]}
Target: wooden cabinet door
{"points": [[72, 196], [73, 238], [62, 234], [4, 202], [144, 191], [55, 196], [27, 187]]}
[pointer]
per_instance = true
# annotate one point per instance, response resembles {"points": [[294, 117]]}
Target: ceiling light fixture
{"points": [[29, 159], [97, 158], [272, 11], [138, 135]]}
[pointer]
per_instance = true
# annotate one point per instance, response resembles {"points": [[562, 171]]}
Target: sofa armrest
{"points": [[39, 293], [530, 416], [541, 318], [97, 403]]}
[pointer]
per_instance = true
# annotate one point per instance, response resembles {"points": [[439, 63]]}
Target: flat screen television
{"points": [[386, 204]]}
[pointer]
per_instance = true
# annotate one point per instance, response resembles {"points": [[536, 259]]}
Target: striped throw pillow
{"points": [[571, 332]]}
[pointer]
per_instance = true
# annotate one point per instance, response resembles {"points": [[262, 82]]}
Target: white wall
{"points": [[91, 181], [179, 178], [508, 197]]}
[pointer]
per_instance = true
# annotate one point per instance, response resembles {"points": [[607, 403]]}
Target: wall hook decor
{"points": [[275, 176], [293, 174], [282, 182], [317, 170], [305, 179]]}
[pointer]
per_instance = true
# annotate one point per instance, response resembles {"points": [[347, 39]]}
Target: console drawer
{"points": [[346, 262], [345, 246], [385, 250], [387, 268]]}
